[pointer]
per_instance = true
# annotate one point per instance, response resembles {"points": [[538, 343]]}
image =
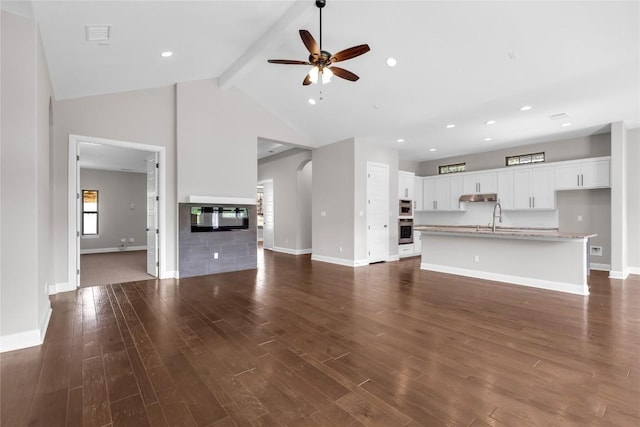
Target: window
{"points": [[89, 212], [458, 167], [525, 159]]}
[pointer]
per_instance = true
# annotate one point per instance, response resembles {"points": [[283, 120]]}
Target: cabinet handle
{"points": [[415, 204], [578, 176], [406, 192], [533, 202], [529, 201], [582, 179]]}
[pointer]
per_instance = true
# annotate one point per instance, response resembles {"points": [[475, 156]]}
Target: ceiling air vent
{"points": [[97, 33], [559, 116]]}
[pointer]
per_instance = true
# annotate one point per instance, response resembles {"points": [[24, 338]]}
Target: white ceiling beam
{"points": [[281, 30]]}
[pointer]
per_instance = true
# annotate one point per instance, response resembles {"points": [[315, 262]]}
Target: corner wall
{"points": [[633, 199], [25, 186]]}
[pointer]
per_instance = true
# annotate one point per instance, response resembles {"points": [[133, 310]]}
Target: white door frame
{"points": [[273, 240], [73, 222]]}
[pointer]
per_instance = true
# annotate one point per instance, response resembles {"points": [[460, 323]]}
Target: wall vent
{"points": [[97, 33]]}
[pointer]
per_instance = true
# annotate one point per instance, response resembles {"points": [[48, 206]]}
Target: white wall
{"points": [[555, 151], [292, 198], [619, 237], [217, 134], [143, 116], [633, 199], [117, 192], [482, 213], [333, 194], [24, 180]]}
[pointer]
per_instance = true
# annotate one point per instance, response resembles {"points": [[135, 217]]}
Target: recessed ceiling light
{"points": [[451, 126], [432, 149], [312, 101], [490, 122], [166, 54], [400, 140], [488, 139], [526, 108], [391, 62], [564, 125]]}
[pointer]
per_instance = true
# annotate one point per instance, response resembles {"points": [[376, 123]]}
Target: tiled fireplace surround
{"points": [[237, 249]]}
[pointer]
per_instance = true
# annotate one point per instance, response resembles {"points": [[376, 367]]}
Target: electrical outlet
{"points": [[323, 213], [131, 240], [340, 249], [595, 250], [215, 255], [476, 258], [123, 240], [579, 218]]}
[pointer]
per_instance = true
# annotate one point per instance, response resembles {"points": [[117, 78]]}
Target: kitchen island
{"points": [[540, 258]]}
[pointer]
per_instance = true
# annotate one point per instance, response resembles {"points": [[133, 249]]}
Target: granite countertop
{"points": [[516, 232]]}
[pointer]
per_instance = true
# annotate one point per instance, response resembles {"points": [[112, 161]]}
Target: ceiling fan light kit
{"points": [[322, 61]]}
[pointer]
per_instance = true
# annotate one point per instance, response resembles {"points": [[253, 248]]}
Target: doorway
{"points": [[268, 214], [98, 153]]}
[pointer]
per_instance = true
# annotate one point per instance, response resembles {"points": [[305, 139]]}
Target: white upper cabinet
{"points": [[533, 188], [583, 174], [505, 189], [417, 194], [406, 185], [480, 182], [441, 193]]}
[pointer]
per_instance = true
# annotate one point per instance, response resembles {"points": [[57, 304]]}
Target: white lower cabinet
{"points": [[417, 242], [406, 249]]}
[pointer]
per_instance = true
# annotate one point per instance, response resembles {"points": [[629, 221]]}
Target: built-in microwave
{"points": [[406, 208]]}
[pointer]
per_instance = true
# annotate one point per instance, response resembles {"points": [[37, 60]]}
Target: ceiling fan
{"points": [[321, 60]]}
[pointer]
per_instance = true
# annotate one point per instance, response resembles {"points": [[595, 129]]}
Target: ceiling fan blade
{"points": [[306, 81], [310, 42], [344, 74], [352, 52], [287, 61]]}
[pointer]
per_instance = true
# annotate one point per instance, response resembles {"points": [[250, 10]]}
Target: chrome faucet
{"points": [[497, 206]]}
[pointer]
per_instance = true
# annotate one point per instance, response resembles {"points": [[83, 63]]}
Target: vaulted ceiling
{"points": [[461, 63]]}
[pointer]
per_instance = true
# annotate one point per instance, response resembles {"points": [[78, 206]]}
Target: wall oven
{"points": [[406, 208], [405, 231]]}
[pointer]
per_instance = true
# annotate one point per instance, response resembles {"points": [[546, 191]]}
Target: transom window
{"points": [[524, 159], [89, 212], [458, 167]]}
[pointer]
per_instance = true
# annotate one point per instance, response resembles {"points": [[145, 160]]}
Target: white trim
{"points": [[599, 267], [619, 274], [72, 166], [634, 270], [516, 280], [340, 261], [394, 257], [222, 200], [109, 250], [170, 274], [61, 287], [26, 339], [292, 251]]}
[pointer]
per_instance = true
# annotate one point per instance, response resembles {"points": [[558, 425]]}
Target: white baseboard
{"points": [[109, 250], [169, 274], [516, 280], [391, 258], [26, 339], [61, 287], [599, 267], [619, 274], [340, 261], [634, 270], [292, 251]]}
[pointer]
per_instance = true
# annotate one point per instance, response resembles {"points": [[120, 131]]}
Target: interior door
{"points": [[78, 215], [269, 217], [152, 214], [377, 212]]}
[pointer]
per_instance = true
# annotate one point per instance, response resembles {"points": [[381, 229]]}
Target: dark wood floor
{"points": [[304, 343]]}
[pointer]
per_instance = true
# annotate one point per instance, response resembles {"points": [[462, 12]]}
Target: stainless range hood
{"points": [[489, 197]]}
